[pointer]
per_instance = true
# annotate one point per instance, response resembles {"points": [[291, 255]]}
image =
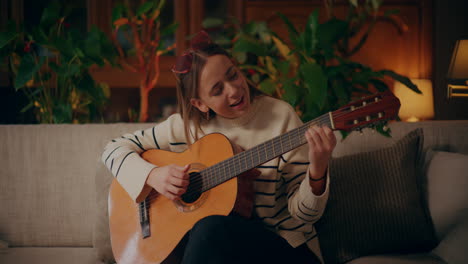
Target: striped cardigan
{"points": [[284, 200]]}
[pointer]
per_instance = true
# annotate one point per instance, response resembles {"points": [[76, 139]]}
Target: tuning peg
{"points": [[380, 114], [368, 118], [385, 128], [364, 103]]}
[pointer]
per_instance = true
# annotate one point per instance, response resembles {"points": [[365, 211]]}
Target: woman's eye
{"points": [[233, 76], [217, 91]]}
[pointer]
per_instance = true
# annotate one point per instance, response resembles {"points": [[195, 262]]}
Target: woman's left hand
{"points": [[321, 141]]}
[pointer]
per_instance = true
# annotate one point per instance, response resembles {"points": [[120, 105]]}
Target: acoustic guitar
{"points": [[148, 232]]}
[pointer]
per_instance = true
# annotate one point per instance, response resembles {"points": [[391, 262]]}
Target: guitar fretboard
{"points": [[249, 159]]}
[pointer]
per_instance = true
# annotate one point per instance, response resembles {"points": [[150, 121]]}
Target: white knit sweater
{"points": [[284, 200]]}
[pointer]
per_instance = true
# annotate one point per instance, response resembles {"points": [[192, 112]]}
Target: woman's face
{"points": [[222, 88]]}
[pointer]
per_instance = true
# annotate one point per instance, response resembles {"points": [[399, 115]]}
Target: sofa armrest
{"points": [[452, 248]]}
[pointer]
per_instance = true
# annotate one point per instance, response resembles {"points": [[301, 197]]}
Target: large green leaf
{"points": [[403, 79], [40, 36], [291, 92], [310, 33], [212, 22], [6, 37], [169, 30], [93, 48], [293, 33], [282, 66], [268, 86], [50, 15], [144, 8], [341, 88], [87, 84], [311, 109], [315, 81], [62, 112], [160, 5], [247, 45], [27, 69], [379, 85], [331, 31]]}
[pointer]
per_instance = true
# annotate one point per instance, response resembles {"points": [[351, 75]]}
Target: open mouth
{"points": [[239, 102]]}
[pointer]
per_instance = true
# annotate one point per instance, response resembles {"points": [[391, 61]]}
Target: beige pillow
{"points": [[375, 204], [447, 185]]}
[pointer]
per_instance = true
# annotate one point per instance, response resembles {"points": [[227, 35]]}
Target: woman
{"points": [[291, 192]]}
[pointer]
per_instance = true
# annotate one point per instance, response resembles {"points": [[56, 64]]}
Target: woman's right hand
{"points": [[171, 180]]}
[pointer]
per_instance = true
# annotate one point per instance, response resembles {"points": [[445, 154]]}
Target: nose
{"points": [[232, 90]]}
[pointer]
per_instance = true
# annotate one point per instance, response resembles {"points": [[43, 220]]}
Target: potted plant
{"points": [[141, 27], [50, 64]]}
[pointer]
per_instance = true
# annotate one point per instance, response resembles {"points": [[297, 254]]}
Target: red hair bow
{"points": [[184, 62]]}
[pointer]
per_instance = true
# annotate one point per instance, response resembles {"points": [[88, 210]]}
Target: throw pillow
{"points": [[101, 232], [375, 204], [447, 182]]}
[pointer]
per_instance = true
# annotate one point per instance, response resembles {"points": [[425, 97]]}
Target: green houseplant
{"points": [[50, 64], [142, 27], [312, 69]]}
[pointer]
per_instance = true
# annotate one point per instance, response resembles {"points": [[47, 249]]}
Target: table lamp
{"points": [[458, 70], [414, 106]]}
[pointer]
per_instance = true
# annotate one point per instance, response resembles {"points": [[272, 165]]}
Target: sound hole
{"points": [[194, 188]]}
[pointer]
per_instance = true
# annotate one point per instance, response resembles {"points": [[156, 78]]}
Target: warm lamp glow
{"points": [[458, 70], [415, 107]]}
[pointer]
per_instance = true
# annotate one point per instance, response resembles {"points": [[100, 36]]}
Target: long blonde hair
{"points": [[187, 88]]}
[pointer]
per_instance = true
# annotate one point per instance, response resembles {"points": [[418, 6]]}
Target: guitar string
{"points": [[233, 162], [292, 143]]}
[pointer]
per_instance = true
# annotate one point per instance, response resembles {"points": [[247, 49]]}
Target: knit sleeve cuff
{"points": [[309, 199], [133, 177]]}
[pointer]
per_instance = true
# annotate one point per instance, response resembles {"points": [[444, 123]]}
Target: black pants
{"points": [[232, 239]]}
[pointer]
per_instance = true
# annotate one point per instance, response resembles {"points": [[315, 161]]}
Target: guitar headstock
{"points": [[366, 112]]}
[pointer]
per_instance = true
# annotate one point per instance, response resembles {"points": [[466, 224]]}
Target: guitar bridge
{"points": [[144, 218]]}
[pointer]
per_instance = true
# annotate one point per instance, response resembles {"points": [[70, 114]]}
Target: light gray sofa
{"points": [[52, 191]]}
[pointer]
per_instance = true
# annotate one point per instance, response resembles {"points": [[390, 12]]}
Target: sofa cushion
{"points": [[49, 255], [101, 233], [46, 185], [375, 204], [424, 258], [447, 182], [453, 247]]}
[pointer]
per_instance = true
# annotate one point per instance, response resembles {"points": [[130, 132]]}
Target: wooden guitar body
{"points": [[169, 222]]}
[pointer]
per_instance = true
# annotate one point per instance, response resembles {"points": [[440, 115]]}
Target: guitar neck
{"points": [[249, 159]]}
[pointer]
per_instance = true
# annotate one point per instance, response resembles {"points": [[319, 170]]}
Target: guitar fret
{"points": [[273, 148], [281, 141]]}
